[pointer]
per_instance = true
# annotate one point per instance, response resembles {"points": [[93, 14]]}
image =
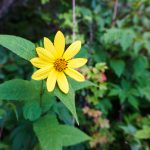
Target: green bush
{"points": [[114, 111]]}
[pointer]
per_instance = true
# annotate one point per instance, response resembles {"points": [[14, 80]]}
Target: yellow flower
{"points": [[54, 63]]}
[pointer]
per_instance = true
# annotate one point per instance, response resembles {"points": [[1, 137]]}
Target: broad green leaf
{"points": [[129, 129], [115, 91], [53, 136], [118, 66], [123, 37], [122, 96], [18, 89], [140, 64], [127, 39], [22, 136], [18, 45], [143, 133], [80, 85], [47, 133], [137, 46], [48, 100], [133, 101], [68, 100], [32, 110], [112, 35], [145, 92], [71, 135]]}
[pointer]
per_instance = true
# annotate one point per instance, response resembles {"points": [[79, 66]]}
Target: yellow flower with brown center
{"points": [[54, 63]]}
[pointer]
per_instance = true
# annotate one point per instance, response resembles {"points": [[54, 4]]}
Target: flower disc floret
{"points": [[60, 64]]}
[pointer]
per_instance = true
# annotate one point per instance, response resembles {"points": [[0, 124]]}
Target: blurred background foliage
{"points": [[116, 40]]}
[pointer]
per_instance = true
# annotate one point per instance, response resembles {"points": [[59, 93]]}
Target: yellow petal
{"points": [[59, 43], [51, 80], [44, 54], [74, 74], [48, 45], [41, 73], [77, 62], [62, 82], [39, 63], [72, 50]]}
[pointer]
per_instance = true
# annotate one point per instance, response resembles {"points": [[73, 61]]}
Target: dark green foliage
{"points": [[51, 134], [123, 45]]}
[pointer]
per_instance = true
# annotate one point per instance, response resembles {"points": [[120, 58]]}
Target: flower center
{"points": [[60, 64]]}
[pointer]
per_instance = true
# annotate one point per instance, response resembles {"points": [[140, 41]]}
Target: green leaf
{"points": [[129, 129], [63, 113], [147, 46], [32, 110], [115, 91], [71, 135], [140, 65], [127, 39], [53, 136], [47, 133], [133, 101], [2, 113], [144, 91], [143, 133], [4, 146], [80, 85], [124, 37], [22, 136], [44, 1], [48, 100], [13, 107], [18, 45], [18, 89], [118, 66], [68, 100], [112, 35], [137, 46], [122, 96]]}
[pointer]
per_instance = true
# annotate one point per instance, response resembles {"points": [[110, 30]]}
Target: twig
{"points": [[115, 12], [74, 20], [73, 29]]}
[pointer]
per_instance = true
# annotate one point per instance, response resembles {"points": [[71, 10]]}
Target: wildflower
{"points": [[54, 63]]}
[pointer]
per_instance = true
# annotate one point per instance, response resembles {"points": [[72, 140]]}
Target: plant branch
{"points": [[73, 28], [115, 12], [74, 20]]}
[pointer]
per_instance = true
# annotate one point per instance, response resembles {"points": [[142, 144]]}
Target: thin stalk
{"points": [[73, 29], [74, 20], [115, 13]]}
